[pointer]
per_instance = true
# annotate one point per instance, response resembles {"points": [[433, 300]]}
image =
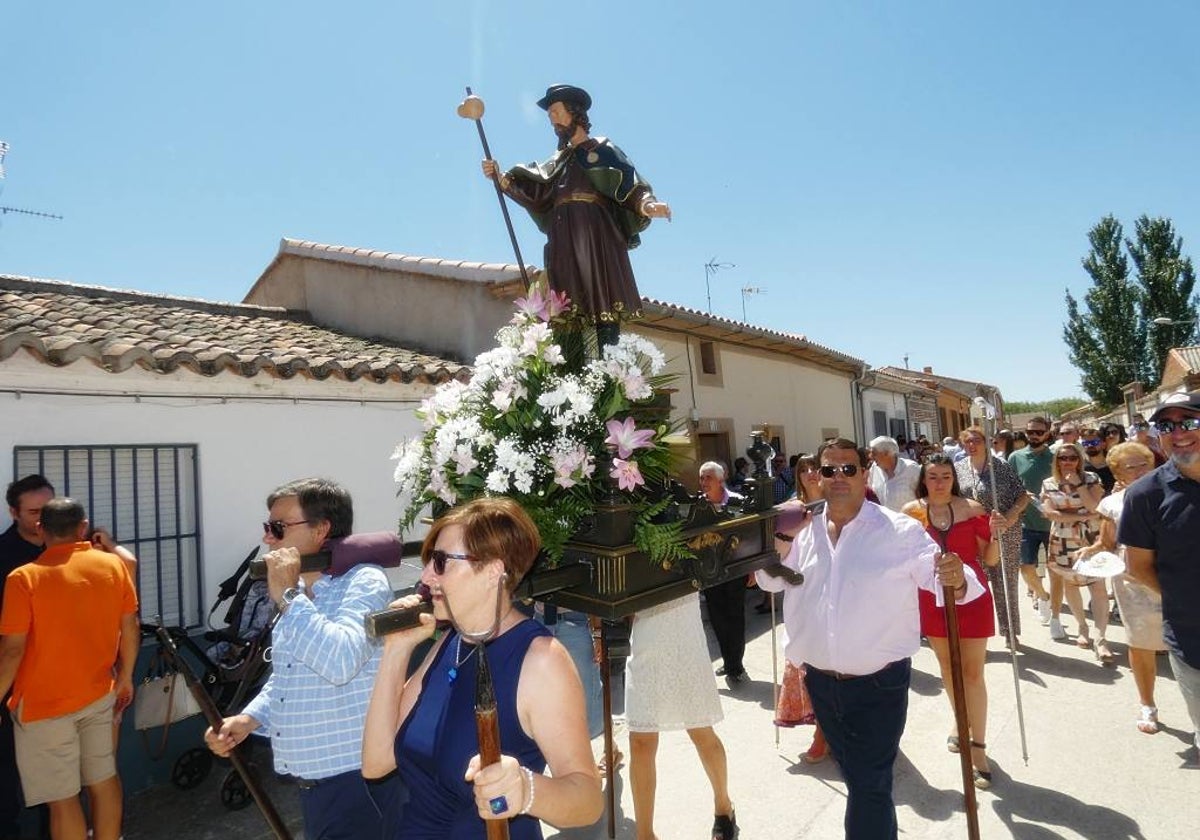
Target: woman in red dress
{"points": [[962, 526]]}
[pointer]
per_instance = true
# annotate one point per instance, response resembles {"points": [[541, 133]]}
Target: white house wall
{"points": [[759, 387], [890, 403], [249, 439]]}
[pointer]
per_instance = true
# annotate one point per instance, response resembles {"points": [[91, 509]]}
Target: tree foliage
{"points": [[1048, 408], [1111, 338]]}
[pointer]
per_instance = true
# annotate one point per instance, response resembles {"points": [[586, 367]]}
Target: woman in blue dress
{"points": [[424, 726]]}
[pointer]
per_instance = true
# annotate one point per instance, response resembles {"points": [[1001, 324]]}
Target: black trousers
{"points": [[727, 615], [10, 780]]}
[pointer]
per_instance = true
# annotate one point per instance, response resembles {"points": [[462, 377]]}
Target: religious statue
{"points": [[592, 205]]}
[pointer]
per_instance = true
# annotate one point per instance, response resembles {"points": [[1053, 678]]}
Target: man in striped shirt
{"points": [[323, 667]]}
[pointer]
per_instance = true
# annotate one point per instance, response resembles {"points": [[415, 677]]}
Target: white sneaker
{"points": [[1043, 608], [1056, 629]]}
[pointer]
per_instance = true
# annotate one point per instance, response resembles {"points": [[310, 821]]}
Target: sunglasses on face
{"points": [[1068, 458], [1035, 433], [845, 469], [277, 527], [1187, 424], [1093, 442], [438, 558]]}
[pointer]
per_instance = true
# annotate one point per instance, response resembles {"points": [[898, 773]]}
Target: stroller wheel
{"points": [[234, 794], [191, 768]]}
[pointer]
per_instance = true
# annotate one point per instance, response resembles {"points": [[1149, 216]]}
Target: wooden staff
{"points": [[472, 109], [960, 709], [609, 751], [213, 715], [487, 726]]}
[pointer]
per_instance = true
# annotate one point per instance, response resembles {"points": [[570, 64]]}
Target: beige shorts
{"points": [[57, 756]]}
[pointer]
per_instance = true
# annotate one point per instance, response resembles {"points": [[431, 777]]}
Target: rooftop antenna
{"points": [[4, 211], [906, 361], [746, 292], [710, 268]]}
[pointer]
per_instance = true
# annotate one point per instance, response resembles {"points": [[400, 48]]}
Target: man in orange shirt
{"points": [[67, 619]]}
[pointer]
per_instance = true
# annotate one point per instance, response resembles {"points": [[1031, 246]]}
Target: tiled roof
{"points": [[1190, 356], [63, 322], [706, 325]]}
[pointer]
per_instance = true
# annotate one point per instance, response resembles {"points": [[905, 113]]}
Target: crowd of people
{"points": [[381, 737]]}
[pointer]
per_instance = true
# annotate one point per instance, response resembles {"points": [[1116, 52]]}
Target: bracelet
{"points": [[529, 799], [779, 535]]}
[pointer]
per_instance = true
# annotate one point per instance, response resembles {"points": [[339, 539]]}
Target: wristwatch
{"points": [[290, 594]]}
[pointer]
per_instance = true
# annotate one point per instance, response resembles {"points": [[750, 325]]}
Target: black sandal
{"points": [[982, 778], [725, 827]]}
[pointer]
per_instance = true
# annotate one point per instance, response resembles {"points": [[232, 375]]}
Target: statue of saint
{"points": [[592, 205]]}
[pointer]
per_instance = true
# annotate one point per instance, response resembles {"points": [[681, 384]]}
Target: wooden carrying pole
{"points": [[487, 726], [960, 710], [213, 715]]}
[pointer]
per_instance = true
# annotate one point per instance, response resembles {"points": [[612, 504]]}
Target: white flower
{"points": [[553, 355], [532, 338], [497, 481]]}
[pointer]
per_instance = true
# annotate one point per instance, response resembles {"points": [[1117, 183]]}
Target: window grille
{"points": [[147, 497]]}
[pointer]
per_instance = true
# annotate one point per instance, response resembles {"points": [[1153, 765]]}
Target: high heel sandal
{"points": [[725, 827], [982, 778]]}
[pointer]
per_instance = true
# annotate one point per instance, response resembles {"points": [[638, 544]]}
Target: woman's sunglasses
{"points": [[438, 558], [277, 527], [846, 469]]}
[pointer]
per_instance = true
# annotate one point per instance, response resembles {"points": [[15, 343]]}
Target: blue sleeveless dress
{"points": [[438, 739]]}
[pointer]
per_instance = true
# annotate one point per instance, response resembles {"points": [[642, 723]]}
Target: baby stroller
{"points": [[232, 666]]}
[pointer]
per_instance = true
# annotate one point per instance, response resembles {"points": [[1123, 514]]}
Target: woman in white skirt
{"points": [[1141, 607], [669, 685]]}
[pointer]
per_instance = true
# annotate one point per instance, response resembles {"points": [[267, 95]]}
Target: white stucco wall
{"points": [[252, 435], [890, 403], [758, 388]]}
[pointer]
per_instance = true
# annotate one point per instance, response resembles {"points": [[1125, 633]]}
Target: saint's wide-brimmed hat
{"points": [[1187, 402], [565, 93]]}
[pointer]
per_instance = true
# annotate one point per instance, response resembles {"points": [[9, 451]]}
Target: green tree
{"points": [[1107, 342], [1166, 280], [1050, 408]]}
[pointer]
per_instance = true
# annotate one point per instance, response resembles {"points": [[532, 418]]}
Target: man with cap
{"points": [[591, 203], [1160, 529]]}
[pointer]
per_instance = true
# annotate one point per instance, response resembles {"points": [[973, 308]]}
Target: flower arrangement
{"points": [[557, 435]]}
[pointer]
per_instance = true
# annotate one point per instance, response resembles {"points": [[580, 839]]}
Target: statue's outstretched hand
{"points": [[656, 210], [491, 169]]}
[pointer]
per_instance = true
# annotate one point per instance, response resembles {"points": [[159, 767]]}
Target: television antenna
{"points": [[4, 211], [746, 292], [710, 268]]}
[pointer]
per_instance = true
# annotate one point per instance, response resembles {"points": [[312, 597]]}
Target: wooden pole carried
{"points": [[960, 710]]}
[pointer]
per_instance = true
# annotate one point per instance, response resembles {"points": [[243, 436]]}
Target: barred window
{"points": [[147, 496]]}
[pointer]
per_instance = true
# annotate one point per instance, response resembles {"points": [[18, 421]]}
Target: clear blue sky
{"points": [[900, 177]]}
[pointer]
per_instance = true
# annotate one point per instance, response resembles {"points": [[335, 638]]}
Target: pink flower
{"points": [[533, 306], [626, 437], [627, 474], [556, 304]]}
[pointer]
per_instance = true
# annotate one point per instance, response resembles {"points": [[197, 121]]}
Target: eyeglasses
{"points": [[439, 558], [1035, 432], [829, 471], [1136, 465], [1187, 424], [1067, 458], [1092, 442], [1140, 427], [277, 527], [1113, 433]]}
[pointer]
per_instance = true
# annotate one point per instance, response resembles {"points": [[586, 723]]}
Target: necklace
{"points": [[949, 515], [459, 660]]}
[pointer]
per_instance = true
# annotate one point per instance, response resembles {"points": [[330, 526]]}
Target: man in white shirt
{"points": [[855, 624], [894, 479]]}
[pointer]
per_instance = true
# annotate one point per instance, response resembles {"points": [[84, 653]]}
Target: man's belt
{"points": [[591, 198], [839, 676]]}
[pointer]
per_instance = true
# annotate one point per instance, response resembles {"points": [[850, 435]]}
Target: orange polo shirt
{"points": [[69, 604]]}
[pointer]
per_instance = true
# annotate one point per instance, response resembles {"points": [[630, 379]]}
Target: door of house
{"points": [[714, 446]]}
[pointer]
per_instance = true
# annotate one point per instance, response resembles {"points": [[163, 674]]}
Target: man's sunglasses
{"points": [[1036, 432], [277, 527], [829, 471], [1092, 442], [438, 558], [1187, 424]]}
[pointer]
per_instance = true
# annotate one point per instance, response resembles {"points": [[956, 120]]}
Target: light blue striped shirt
{"points": [[323, 668]]}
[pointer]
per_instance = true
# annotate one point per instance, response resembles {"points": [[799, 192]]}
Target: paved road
{"points": [[1091, 775]]}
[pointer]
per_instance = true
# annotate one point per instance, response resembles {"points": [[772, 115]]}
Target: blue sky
{"points": [[899, 177]]}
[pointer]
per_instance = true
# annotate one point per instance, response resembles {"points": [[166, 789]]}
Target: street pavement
{"points": [[1090, 775]]}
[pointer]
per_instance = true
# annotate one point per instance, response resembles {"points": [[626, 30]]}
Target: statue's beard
{"points": [[565, 133]]}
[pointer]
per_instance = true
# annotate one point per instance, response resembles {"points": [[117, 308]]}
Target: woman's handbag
{"points": [[161, 699]]}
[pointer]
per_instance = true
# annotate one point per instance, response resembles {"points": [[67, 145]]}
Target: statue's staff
{"points": [[472, 108]]}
